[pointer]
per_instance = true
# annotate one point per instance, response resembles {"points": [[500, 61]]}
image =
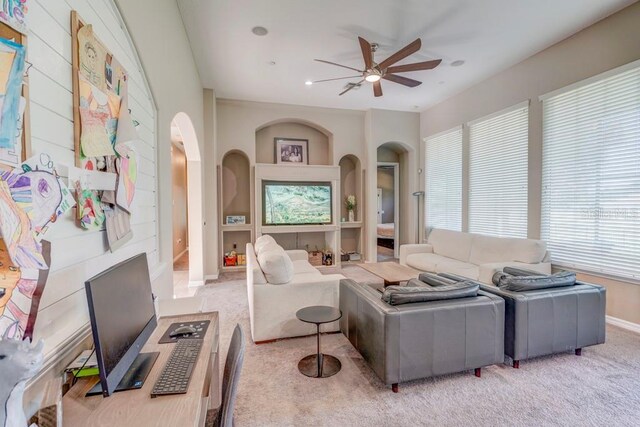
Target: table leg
{"points": [[319, 355]]}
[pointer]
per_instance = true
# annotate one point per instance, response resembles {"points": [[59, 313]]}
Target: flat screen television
{"points": [[122, 317], [296, 203]]}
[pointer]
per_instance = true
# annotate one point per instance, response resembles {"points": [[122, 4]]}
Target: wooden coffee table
{"points": [[392, 273]]}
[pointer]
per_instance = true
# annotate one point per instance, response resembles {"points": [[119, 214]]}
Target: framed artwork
{"points": [[292, 151], [236, 219]]}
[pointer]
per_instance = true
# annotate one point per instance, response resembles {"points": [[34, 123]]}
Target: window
{"points": [[443, 174], [591, 174], [498, 148]]}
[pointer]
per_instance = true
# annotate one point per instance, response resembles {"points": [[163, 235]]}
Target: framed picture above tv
{"points": [[291, 151], [296, 203]]}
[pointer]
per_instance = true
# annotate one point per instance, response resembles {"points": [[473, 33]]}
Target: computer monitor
{"points": [[123, 317]]}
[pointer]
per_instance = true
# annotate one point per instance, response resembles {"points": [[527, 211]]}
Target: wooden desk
{"points": [[391, 272], [136, 407]]}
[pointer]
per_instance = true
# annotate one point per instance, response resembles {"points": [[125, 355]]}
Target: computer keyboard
{"points": [[175, 376]]}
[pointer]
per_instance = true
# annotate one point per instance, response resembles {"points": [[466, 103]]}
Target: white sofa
{"points": [[474, 255], [273, 306]]}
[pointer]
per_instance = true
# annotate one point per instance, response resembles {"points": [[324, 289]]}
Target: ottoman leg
{"points": [[394, 387], [578, 352], [478, 372], [516, 364]]}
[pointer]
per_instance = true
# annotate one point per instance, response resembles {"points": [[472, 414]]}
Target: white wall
{"points": [[78, 254], [605, 45], [163, 46]]}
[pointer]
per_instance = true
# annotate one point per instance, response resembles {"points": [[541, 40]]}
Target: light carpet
{"points": [[602, 387]]}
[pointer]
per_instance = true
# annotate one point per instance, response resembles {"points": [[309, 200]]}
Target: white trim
{"points": [[396, 206], [195, 283], [158, 270], [61, 351], [523, 104], [180, 254], [624, 324], [595, 273], [444, 132], [212, 276], [590, 80]]}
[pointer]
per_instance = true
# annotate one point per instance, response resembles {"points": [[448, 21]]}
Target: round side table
{"points": [[319, 365]]}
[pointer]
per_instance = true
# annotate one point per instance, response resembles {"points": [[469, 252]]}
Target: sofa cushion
{"points": [[489, 249], [451, 244], [303, 267], [435, 280], [262, 241], [458, 267], [425, 261], [416, 292], [531, 283], [276, 266]]}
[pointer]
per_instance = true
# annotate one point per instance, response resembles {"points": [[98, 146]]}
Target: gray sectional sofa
{"points": [[422, 339]]}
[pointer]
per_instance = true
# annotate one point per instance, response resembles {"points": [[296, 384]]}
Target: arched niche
{"points": [[351, 183], [236, 182], [320, 149]]}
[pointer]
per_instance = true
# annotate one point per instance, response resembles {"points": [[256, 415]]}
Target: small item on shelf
{"points": [[344, 256], [235, 219], [242, 259], [231, 258], [350, 203], [354, 256], [315, 257], [327, 257]]}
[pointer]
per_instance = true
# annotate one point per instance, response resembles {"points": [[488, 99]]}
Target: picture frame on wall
{"points": [[236, 219], [291, 151]]}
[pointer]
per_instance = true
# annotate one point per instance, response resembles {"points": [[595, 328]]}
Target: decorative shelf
{"points": [[297, 228], [237, 227], [354, 224]]}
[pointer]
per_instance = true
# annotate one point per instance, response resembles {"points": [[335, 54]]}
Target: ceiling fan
{"points": [[373, 71]]}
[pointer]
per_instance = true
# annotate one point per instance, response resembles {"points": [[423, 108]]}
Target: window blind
{"points": [[498, 147], [591, 175], [443, 175]]}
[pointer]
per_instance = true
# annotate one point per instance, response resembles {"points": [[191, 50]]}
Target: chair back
{"points": [[231, 377]]}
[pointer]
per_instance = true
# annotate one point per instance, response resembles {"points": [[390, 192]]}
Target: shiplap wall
{"points": [[78, 254]]}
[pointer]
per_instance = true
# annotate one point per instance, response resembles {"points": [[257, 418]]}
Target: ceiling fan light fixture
{"points": [[373, 77]]}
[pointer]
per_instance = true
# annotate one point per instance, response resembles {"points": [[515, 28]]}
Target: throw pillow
{"points": [[397, 295], [276, 266], [532, 283], [261, 241]]}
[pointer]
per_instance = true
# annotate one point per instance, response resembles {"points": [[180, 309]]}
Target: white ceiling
{"points": [[489, 35]]}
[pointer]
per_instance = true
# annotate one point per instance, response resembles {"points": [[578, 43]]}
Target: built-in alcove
{"points": [[351, 179], [319, 147], [235, 190], [236, 181]]}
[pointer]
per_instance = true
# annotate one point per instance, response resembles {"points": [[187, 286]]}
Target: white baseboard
{"points": [[175, 258], [196, 283], [212, 276], [624, 324]]}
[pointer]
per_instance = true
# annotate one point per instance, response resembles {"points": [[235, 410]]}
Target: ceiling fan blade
{"points": [[412, 47], [417, 66], [367, 54], [377, 88], [337, 78], [402, 80], [350, 87], [343, 66]]}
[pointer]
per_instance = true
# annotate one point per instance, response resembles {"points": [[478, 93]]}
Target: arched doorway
{"points": [[392, 213], [183, 134]]}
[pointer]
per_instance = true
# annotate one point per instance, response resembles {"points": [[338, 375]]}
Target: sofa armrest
{"points": [[406, 250], [486, 271], [298, 255]]}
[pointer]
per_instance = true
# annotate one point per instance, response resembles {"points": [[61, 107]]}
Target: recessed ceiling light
{"points": [[308, 82], [272, 62], [259, 31], [457, 63]]}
